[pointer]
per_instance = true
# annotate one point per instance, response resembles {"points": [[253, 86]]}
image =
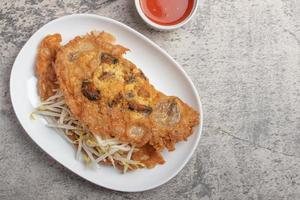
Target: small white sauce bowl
{"points": [[165, 27]]}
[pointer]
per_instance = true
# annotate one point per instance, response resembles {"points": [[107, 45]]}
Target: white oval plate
{"points": [[164, 73]]}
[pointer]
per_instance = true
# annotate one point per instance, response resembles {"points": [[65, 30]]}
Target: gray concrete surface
{"points": [[244, 58]]}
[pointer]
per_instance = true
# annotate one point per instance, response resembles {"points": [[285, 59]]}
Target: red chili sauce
{"points": [[167, 12]]}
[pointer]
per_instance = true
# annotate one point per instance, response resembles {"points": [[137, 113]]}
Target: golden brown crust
{"points": [[176, 126], [111, 96], [121, 102], [45, 72], [148, 156]]}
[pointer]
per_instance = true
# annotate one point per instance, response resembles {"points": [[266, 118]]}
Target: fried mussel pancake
{"points": [[113, 98], [45, 71]]}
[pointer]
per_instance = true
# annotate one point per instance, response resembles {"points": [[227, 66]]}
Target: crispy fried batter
{"points": [[149, 156], [111, 96], [45, 72], [119, 100]]}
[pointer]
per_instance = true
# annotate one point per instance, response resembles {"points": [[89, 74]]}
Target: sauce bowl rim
{"points": [[165, 27]]}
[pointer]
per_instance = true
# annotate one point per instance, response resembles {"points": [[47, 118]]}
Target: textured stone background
{"points": [[243, 56]]}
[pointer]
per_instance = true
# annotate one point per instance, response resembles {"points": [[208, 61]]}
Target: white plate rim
{"points": [[13, 96]]}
